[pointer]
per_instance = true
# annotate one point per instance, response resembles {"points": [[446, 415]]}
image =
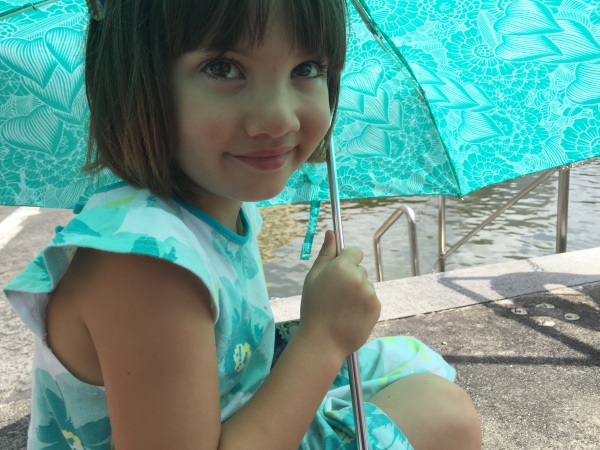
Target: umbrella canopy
{"points": [[510, 89], [462, 94]]}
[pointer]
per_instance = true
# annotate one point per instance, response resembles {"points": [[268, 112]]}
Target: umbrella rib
{"points": [[378, 35], [403, 66], [26, 7]]}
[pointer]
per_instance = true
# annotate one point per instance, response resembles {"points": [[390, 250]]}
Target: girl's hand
{"points": [[339, 305]]}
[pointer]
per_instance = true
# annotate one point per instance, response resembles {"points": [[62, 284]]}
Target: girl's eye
{"points": [[222, 69], [309, 69]]}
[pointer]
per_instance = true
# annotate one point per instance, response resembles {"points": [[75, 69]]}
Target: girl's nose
{"points": [[273, 113]]}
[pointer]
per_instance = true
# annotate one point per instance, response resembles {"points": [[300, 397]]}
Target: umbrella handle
{"points": [[352, 361]]}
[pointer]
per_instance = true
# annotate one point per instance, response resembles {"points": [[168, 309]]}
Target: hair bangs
{"points": [[216, 25], [319, 28], [316, 26]]}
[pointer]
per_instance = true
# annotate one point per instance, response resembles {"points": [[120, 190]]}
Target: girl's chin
{"points": [[249, 190], [261, 196], [264, 193]]}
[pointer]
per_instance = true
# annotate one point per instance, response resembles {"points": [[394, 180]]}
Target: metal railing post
{"points": [[411, 220], [441, 262], [562, 209]]}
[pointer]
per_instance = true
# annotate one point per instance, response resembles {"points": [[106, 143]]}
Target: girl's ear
{"points": [[319, 155]]}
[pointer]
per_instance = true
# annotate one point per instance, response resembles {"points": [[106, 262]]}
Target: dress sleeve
{"points": [[151, 231]]}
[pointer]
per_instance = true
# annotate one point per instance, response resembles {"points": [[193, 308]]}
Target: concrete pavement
{"points": [[532, 371]]}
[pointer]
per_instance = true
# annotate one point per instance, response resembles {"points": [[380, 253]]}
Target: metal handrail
{"points": [[562, 215], [500, 211], [411, 220], [561, 223]]}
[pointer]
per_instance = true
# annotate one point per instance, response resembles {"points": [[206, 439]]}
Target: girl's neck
{"points": [[223, 210], [239, 226]]}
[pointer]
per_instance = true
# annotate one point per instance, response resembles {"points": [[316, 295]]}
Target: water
{"points": [[526, 230]]}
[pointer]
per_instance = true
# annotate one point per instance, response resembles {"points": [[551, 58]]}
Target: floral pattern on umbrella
{"points": [[509, 89]]}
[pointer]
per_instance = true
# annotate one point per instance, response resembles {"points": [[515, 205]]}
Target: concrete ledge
{"points": [[437, 292]]}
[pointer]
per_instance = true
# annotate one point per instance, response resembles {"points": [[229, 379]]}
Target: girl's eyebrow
{"points": [[220, 52], [246, 52], [240, 51]]}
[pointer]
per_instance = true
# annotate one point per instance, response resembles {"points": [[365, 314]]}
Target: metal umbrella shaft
{"points": [[352, 361]]}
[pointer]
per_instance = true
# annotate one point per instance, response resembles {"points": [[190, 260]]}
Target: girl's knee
{"points": [[433, 412], [455, 418]]}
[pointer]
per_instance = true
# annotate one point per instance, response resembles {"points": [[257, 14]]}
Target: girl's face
{"points": [[248, 119]]}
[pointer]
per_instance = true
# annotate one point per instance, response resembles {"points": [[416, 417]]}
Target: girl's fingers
{"points": [[364, 272], [352, 255], [327, 253]]}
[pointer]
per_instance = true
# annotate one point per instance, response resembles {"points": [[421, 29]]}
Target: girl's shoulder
{"points": [[119, 209], [122, 219]]}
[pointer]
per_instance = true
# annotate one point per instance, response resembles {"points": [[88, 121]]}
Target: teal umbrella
{"points": [[462, 94], [510, 89]]}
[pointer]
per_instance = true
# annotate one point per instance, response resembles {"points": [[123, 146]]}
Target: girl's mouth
{"points": [[265, 160]]}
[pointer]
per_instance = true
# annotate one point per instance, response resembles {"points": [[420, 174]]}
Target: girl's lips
{"points": [[265, 160]]}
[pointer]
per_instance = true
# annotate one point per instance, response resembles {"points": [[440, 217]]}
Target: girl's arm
{"points": [[152, 328], [339, 309]]}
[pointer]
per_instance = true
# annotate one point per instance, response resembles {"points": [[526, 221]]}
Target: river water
{"points": [[526, 230]]}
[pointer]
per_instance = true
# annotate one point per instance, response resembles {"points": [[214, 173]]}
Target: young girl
{"points": [[150, 310]]}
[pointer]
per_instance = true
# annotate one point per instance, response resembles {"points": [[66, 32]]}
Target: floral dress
{"points": [[70, 414]]}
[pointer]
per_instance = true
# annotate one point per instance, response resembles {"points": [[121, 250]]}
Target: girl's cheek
{"points": [[320, 118]]}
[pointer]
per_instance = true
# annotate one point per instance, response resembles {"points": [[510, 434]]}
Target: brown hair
{"points": [[129, 61]]}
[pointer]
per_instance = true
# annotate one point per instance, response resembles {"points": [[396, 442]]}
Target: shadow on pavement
{"points": [[14, 435]]}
